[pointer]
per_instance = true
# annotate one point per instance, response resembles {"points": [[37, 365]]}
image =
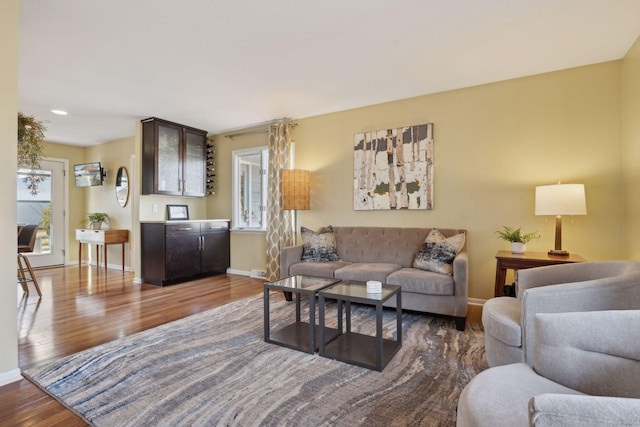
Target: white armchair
{"points": [[586, 371], [589, 286]]}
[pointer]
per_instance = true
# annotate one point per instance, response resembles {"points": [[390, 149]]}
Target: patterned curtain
{"points": [[279, 222]]}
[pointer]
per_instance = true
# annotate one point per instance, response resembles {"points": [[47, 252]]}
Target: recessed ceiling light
{"points": [[59, 112]]}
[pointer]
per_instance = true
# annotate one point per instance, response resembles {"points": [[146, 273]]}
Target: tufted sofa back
{"points": [[395, 245]]}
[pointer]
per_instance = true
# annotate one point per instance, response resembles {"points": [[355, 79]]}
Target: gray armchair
{"points": [[590, 286], [586, 371]]}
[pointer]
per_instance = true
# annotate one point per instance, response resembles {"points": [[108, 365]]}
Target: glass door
{"points": [[40, 200]]}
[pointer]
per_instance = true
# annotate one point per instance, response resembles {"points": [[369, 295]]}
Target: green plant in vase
{"points": [[97, 219], [517, 237]]}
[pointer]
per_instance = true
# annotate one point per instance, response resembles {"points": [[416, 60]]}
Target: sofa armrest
{"points": [[288, 256], [461, 282], [573, 272], [612, 293], [568, 410], [592, 352]]}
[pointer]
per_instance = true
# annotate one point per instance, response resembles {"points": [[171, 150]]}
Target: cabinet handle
{"points": [[201, 243], [184, 228]]}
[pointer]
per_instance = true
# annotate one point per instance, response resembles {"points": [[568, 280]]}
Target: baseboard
{"points": [[476, 301], [93, 264], [10, 377], [238, 272]]}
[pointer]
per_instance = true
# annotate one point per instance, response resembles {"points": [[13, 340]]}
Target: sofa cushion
{"points": [[318, 246], [437, 252], [361, 271], [317, 269], [501, 318], [421, 281]]}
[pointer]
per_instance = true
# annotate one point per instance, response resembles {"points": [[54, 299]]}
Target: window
{"points": [[250, 178]]}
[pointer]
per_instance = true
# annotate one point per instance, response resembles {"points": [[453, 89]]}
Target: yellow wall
{"points": [[111, 155], [85, 200], [8, 133], [493, 144], [631, 148], [248, 249]]}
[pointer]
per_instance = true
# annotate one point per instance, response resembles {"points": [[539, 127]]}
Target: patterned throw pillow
{"points": [[437, 252], [319, 246]]}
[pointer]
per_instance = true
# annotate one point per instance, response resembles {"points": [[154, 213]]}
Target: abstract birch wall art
{"points": [[393, 169]]}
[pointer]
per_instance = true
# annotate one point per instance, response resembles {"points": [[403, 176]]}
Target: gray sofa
{"points": [[387, 254], [585, 373], [587, 286]]}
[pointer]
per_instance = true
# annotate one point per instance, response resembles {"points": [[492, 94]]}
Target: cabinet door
{"points": [[215, 251], [182, 250], [194, 163], [168, 179]]}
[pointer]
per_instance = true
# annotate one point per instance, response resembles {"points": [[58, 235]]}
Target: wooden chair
{"points": [[26, 242]]}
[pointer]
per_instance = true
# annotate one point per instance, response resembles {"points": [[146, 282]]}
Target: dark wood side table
{"points": [[508, 260]]}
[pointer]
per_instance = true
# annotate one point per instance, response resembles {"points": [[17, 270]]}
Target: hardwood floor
{"points": [[84, 307]]}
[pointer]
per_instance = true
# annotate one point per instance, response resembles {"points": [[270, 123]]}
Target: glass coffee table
{"points": [[299, 335], [372, 352]]}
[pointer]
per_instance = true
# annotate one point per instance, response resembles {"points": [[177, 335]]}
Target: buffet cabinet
{"points": [[174, 159], [175, 251]]}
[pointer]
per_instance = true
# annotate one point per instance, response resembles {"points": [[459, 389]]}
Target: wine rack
{"points": [[211, 166]]}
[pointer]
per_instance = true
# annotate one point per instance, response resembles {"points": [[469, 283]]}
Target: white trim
{"points": [[476, 301], [236, 156], [239, 272], [10, 377]]}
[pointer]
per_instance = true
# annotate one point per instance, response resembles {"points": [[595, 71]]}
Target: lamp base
{"points": [[558, 252]]}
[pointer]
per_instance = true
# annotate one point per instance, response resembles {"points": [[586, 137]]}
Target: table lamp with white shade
{"points": [[558, 200]]}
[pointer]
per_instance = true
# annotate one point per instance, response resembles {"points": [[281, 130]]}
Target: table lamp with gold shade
{"points": [[558, 200]]}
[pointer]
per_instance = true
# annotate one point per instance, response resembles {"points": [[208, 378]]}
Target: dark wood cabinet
{"points": [[214, 238], [173, 252], [173, 159]]}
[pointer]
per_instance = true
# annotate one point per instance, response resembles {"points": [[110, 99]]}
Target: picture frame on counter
{"points": [[177, 212]]}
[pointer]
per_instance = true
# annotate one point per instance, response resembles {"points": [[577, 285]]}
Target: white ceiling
{"points": [[225, 64]]}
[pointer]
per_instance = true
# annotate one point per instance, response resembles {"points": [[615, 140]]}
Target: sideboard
{"points": [[174, 251]]}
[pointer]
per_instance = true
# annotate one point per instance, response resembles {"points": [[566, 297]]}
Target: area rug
{"points": [[214, 368]]}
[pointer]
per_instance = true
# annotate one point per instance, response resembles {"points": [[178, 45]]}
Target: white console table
{"points": [[101, 237]]}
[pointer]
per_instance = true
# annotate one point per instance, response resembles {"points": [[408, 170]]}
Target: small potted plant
{"points": [[517, 237], [97, 219]]}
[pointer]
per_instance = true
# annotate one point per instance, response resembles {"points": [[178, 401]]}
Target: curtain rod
{"points": [[257, 128]]}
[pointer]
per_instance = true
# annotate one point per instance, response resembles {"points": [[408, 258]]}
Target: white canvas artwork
{"points": [[393, 168]]}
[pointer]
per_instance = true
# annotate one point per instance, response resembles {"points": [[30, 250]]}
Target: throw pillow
{"points": [[437, 252], [319, 246]]}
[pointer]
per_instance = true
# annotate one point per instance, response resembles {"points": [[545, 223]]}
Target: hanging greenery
{"points": [[30, 149], [30, 142]]}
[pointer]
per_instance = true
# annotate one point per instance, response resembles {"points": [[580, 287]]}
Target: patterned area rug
{"points": [[214, 368]]}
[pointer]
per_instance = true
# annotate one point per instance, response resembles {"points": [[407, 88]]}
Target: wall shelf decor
{"points": [[393, 168]]}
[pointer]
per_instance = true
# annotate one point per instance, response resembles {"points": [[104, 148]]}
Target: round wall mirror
{"points": [[122, 186]]}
